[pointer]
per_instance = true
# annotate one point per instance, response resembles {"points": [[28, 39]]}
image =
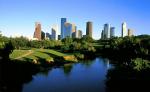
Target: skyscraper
{"points": [[74, 31], [112, 32], [54, 35], [48, 36], [89, 28], [76, 34], [73, 28], [43, 35], [79, 34], [63, 30], [130, 32], [37, 33], [124, 29], [68, 30], [102, 34], [106, 32]]}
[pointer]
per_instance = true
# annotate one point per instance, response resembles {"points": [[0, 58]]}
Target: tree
{"points": [[35, 44], [20, 42], [87, 39], [67, 40]]}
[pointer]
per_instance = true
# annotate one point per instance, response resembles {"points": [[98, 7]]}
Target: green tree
{"points": [[87, 39]]}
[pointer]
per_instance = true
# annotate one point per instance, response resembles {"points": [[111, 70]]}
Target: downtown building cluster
{"points": [[40, 35], [67, 30], [109, 32]]}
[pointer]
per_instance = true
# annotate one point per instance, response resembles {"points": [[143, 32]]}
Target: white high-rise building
{"points": [[124, 29], [54, 34]]}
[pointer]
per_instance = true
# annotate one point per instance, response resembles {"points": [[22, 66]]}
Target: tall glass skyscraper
{"points": [[112, 32], [106, 32], [68, 30], [63, 28], [124, 29]]}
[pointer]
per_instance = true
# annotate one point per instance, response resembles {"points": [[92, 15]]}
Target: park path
{"points": [[30, 52]]}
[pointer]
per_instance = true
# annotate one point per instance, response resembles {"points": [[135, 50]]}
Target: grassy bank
{"points": [[38, 55]]}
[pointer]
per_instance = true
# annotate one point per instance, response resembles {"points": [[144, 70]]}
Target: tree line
{"points": [[128, 51], [67, 44]]}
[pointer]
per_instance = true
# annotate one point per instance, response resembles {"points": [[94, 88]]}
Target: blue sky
{"points": [[19, 16]]}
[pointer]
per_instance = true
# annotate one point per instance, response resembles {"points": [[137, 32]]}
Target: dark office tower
{"points": [[102, 34], [89, 28], [112, 32], [63, 28], [106, 32], [48, 36], [37, 33], [42, 35]]}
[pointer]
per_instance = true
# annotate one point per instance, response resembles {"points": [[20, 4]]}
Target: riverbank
{"points": [[45, 56]]}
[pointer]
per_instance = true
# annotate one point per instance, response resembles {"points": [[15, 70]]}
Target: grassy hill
{"points": [[40, 55]]}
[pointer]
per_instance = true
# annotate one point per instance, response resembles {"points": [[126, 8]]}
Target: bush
{"points": [[79, 56], [140, 64]]}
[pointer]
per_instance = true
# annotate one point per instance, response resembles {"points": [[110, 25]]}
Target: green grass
{"points": [[53, 52], [17, 53], [37, 54]]}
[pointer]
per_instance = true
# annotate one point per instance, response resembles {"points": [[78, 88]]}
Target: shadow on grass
{"points": [[58, 60]]}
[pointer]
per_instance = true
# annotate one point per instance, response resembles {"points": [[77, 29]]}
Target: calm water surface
{"points": [[86, 76]]}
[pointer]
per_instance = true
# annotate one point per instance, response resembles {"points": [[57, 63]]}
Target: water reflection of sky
{"points": [[87, 76]]}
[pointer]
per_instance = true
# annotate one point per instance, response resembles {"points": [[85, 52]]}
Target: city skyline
{"points": [[18, 17]]}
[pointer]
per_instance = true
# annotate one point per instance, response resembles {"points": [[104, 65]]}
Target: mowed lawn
{"points": [[35, 54], [18, 53]]}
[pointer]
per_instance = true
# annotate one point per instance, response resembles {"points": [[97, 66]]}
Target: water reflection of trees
{"points": [[124, 79], [14, 75], [67, 68]]}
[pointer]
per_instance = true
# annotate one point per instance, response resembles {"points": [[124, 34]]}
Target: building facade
{"points": [[74, 27], [112, 32], [106, 32], [124, 29], [63, 28], [130, 32], [102, 34], [68, 30], [48, 36], [37, 32], [79, 34], [89, 29], [54, 34]]}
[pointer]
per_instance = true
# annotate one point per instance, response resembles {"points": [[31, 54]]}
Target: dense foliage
{"points": [[125, 49], [5, 48]]}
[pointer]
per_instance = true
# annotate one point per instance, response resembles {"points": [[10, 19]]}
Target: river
{"points": [[86, 76]]}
